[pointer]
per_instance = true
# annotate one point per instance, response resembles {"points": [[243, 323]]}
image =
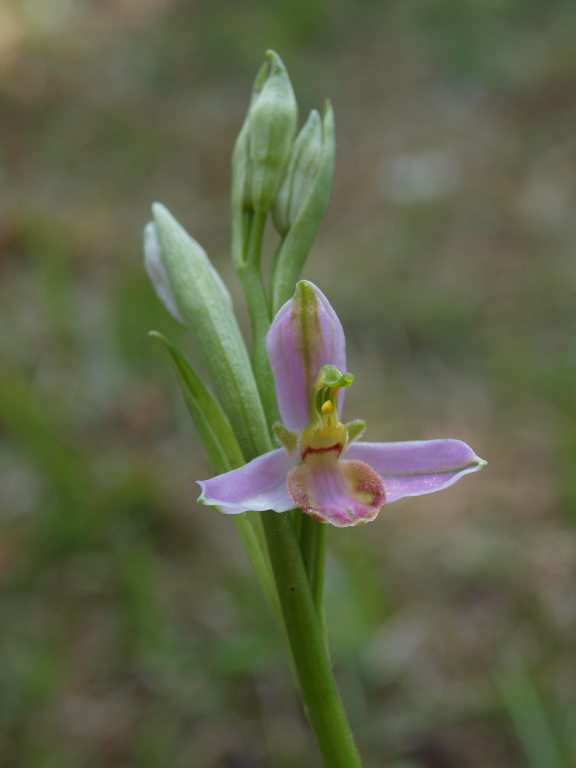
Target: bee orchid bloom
{"points": [[320, 466]]}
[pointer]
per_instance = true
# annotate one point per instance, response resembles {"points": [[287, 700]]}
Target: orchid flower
{"points": [[320, 467]]}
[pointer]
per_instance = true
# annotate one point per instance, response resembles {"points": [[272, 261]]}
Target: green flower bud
{"points": [[262, 150], [302, 202], [302, 167], [204, 303], [157, 273]]}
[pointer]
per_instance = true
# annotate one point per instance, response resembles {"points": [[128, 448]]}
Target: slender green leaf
{"points": [[224, 454], [211, 422], [531, 720]]}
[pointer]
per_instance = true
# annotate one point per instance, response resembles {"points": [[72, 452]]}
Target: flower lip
{"points": [[342, 493]]}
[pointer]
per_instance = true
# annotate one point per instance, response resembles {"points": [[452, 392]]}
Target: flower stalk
{"points": [[283, 499]]}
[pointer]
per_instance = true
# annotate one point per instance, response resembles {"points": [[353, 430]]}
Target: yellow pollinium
{"points": [[327, 407]]}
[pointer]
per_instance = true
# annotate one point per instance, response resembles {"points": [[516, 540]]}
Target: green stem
{"points": [[304, 631], [259, 309], [295, 516], [314, 674], [313, 548]]}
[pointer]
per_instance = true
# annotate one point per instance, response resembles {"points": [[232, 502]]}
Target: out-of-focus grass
{"points": [[133, 633]]}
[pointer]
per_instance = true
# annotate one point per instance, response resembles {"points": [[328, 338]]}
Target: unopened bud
{"points": [[157, 272], [302, 202], [204, 303], [302, 167], [263, 146]]}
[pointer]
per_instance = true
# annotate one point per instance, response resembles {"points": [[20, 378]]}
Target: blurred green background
{"points": [[132, 630]]}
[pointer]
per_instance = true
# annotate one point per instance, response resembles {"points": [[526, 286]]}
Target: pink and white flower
{"points": [[321, 467]]}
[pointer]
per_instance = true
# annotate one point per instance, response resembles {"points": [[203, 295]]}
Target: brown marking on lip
{"points": [[338, 447]]}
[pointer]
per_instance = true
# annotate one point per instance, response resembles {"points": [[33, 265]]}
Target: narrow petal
{"points": [[305, 335], [418, 467], [258, 485], [341, 493]]}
